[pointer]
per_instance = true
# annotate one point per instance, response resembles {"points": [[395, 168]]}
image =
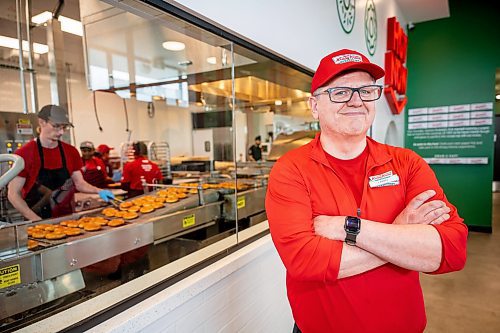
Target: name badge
{"points": [[384, 179]]}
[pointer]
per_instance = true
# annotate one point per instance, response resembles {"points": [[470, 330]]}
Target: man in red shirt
{"points": [[138, 170], [93, 170], [355, 221], [46, 186], [103, 154]]}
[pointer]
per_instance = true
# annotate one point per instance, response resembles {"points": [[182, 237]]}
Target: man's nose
{"points": [[355, 99]]}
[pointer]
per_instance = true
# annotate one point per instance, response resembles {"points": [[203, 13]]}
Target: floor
{"points": [[469, 300]]}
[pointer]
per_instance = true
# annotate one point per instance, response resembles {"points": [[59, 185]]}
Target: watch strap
{"points": [[350, 239]]}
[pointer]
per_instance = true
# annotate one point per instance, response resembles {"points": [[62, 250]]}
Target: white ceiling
{"points": [[424, 10]]}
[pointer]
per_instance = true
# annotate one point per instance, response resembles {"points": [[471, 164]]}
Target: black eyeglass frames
{"points": [[367, 93]]}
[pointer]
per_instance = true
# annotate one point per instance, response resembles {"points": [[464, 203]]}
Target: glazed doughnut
{"points": [[72, 224], [147, 209], [125, 205], [116, 223], [91, 226], [172, 199], [38, 234], [134, 209], [130, 215], [55, 235], [157, 205], [100, 220], [73, 231], [32, 244]]}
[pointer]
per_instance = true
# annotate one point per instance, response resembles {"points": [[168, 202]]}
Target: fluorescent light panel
{"points": [[13, 43], [67, 25]]}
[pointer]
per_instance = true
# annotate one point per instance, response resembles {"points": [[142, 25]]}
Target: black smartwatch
{"points": [[352, 227]]}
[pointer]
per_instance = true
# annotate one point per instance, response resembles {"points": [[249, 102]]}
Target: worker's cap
{"points": [[87, 144], [103, 149], [55, 114], [341, 61]]}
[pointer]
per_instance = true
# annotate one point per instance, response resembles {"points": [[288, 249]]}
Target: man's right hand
{"points": [[418, 211]]}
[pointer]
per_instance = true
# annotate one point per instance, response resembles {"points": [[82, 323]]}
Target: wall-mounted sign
{"points": [[395, 71], [347, 14], [452, 134], [370, 27]]}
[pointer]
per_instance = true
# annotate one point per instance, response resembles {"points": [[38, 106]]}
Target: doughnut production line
{"points": [[39, 277]]}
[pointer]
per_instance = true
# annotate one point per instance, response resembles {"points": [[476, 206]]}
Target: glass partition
{"points": [[152, 86]]}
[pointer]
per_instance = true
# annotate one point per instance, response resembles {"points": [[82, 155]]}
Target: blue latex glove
{"points": [[106, 195]]}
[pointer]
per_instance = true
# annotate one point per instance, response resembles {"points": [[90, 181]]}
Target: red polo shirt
{"points": [[140, 168], [303, 185], [52, 157]]}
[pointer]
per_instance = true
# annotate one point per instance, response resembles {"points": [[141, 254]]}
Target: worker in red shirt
{"points": [[138, 170], [46, 186], [93, 170], [102, 152], [355, 221]]}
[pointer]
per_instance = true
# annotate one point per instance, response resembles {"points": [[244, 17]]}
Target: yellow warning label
{"points": [[24, 121], [240, 202], [188, 221], [10, 276]]}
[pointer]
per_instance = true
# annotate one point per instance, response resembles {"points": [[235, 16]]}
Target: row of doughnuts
{"points": [[227, 185], [70, 228]]}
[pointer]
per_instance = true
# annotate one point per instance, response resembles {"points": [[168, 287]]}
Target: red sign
{"points": [[396, 73]]}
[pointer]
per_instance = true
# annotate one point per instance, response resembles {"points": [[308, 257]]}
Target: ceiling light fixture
{"points": [[212, 60], [173, 46], [497, 97], [67, 25], [13, 43]]}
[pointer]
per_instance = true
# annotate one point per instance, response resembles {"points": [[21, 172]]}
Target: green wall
{"points": [[453, 61]]}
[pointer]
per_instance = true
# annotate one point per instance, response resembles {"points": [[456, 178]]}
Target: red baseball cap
{"points": [[103, 149], [340, 61]]}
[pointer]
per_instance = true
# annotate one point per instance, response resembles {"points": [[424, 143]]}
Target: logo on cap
{"points": [[342, 59]]}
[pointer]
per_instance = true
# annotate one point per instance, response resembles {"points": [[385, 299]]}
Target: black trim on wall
{"points": [[480, 228], [199, 22]]}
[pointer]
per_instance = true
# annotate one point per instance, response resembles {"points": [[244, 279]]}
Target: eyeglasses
{"points": [[58, 127], [344, 94]]}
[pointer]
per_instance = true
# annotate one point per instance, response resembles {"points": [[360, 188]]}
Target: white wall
{"points": [[243, 292], [306, 31]]}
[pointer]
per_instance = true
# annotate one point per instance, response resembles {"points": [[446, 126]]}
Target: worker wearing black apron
{"points": [[46, 186], [53, 193]]}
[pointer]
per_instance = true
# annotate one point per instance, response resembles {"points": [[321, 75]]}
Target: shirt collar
{"points": [[377, 155]]}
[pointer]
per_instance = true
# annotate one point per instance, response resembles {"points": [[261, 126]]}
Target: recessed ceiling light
{"points": [[497, 96], [212, 60], [174, 46]]}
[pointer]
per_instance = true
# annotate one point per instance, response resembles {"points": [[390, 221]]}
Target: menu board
{"points": [[452, 134]]}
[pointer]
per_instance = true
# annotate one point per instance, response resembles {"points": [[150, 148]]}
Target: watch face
{"points": [[352, 224]]}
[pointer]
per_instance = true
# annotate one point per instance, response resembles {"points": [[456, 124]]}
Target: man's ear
{"points": [[313, 105]]}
